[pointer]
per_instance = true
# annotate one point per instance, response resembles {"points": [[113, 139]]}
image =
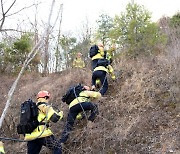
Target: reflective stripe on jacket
{"points": [[45, 113], [85, 96], [99, 55], [109, 70], [1, 147]]}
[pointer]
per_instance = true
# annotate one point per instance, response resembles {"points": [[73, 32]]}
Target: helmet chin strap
{"points": [[42, 99]]}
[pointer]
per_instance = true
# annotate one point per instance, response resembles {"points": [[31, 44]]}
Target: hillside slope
{"points": [[139, 114]]}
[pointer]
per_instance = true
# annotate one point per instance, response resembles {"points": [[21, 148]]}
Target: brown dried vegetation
{"points": [[140, 113]]}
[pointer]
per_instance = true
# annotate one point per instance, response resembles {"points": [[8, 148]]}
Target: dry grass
{"points": [[140, 113]]}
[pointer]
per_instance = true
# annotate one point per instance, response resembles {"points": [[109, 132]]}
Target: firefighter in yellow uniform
{"points": [[99, 55], [78, 61], [42, 135], [80, 104], [99, 76], [1, 148], [109, 53]]}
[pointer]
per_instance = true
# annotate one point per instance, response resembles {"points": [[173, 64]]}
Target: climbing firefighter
{"points": [[42, 135], [78, 61], [109, 53], [96, 52], [79, 100], [99, 76]]}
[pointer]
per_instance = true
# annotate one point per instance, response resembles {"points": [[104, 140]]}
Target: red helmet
{"points": [[43, 94]]}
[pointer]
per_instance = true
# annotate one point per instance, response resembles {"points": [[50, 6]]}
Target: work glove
{"points": [[113, 78], [98, 83], [79, 116], [61, 114], [93, 88]]}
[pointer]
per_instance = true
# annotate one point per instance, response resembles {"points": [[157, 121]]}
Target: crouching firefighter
{"points": [[99, 76], [78, 99], [37, 132]]}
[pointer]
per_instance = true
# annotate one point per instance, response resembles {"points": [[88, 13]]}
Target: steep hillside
{"points": [[139, 114]]}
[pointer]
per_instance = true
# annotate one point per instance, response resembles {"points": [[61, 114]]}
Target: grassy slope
{"points": [[140, 113]]}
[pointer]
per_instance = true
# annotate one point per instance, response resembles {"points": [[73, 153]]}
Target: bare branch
{"points": [[10, 7], [58, 14], [27, 7], [2, 8], [3, 15], [11, 91], [5, 30], [18, 11], [31, 55]]}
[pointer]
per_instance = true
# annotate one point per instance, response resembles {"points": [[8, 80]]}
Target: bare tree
{"points": [[46, 53], [13, 87], [29, 58], [6, 13], [85, 35]]}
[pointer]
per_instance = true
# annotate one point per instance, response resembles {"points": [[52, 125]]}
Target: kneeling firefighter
{"points": [[78, 99], [42, 135]]}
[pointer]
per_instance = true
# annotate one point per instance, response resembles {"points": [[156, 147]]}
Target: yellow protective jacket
{"points": [[78, 62], [1, 148], [85, 96], [99, 55], [107, 69], [46, 112], [109, 55]]}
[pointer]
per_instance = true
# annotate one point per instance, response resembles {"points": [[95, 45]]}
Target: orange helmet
{"points": [[43, 94]]}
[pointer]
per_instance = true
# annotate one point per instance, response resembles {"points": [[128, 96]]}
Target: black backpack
{"points": [[72, 93], [103, 62], [93, 51], [28, 117]]}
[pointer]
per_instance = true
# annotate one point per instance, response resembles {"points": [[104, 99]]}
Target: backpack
{"points": [[28, 117], [103, 62], [93, 51], [72, 93]]}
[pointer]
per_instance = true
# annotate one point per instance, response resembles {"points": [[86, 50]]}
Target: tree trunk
{"points": [[46, 52], [58, 55], [29, 58]]}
